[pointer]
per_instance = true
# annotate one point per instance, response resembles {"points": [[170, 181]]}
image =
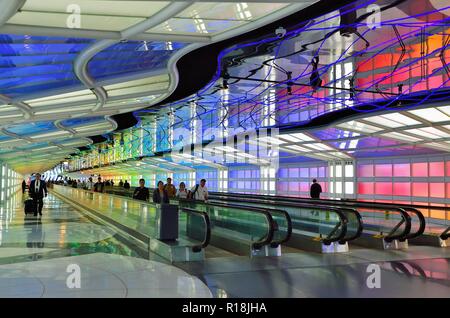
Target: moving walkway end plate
{"points": [[395, 245], [266, 251], [334, 247]]}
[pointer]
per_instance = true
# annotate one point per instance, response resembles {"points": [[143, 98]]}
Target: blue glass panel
{"points": [[32, 128], [367, 142], [333, 133], [282, 173], [5, 138], [131, 57], [73, 122], [33, 64], [36, 70], [50, 85], [21, 61]]}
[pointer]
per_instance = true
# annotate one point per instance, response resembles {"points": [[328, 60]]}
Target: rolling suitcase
{"points": [[28, 206]]}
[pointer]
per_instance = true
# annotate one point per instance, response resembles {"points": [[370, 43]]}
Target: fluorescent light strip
{"points": [[430, 114]]}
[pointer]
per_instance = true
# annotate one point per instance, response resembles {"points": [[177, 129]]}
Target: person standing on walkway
{"points": [[170, 188], [141, 192], [90, 184], [37, 191], [24, 186], [316, 190], [182, 191], [99, 186], [160, 194], [199, 191]]}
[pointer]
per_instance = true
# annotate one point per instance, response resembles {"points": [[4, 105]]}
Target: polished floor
{"points": [[35, 254], [38, 255]]}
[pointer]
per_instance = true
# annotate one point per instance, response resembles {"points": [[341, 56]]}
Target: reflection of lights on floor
{"points": [[62, 237], [221, 293]]}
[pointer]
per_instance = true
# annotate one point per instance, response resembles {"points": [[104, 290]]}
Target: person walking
{"points": [[37, 191], [24, 186]]}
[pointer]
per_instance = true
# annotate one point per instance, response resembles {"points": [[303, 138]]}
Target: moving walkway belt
{"points": [[343, 235], [269, 214], [405, 217]]}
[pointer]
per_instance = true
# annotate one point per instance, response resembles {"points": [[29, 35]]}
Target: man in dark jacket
{"points": [[141, 192], [37, 191], [316, 190], [99, 186]]}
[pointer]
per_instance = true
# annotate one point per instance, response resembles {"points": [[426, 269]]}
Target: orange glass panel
{"points": [[437, 214]]}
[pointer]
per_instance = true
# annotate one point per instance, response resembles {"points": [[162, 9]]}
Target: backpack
{"points": [[192, 195]]}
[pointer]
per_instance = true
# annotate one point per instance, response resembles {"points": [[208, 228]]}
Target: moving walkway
{"points": [[240, 229], [394, 224], [315, 228]]}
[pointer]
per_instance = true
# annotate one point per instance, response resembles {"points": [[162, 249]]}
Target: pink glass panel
{"points": [[437, 190], [365, 171], [384, 170], [304, 186], [420, 189], [402, 188], [420, 169], [365, 187], [402, 170], [293, 186], [437, 169], [383, 188]]}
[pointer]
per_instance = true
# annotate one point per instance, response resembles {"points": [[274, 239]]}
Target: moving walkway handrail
{"points": [[446, 234], [405, 217], [276, 226], [138, 234], [205, 216], [422, 223], [343, 221], [408, 208], [255, 245]]}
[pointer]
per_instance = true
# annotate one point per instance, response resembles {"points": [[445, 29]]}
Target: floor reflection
{"points": [[35, 234]]}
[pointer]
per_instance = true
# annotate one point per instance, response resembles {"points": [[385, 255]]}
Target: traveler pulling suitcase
{"points": [[28, 203]]}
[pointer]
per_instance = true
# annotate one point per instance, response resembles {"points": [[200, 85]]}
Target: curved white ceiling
{"points": [[80, 59]]}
